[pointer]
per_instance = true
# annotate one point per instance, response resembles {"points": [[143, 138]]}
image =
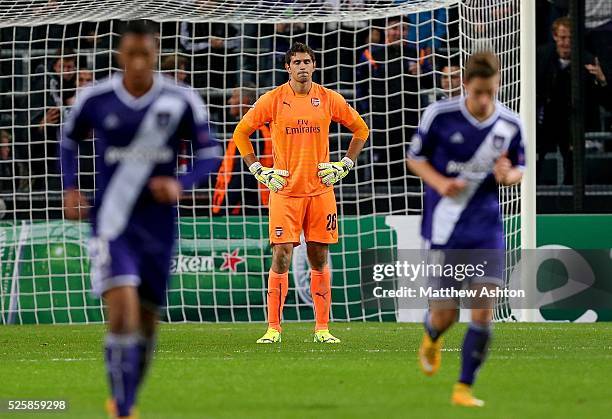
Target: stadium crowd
{"points": [[389, 69]]}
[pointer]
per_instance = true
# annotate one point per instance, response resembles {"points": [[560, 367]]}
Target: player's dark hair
{"points": [[483, 64], [138, 27], [299, 47]]}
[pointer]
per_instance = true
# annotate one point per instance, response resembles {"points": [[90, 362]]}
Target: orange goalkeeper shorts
{"points": [[316, 215]]}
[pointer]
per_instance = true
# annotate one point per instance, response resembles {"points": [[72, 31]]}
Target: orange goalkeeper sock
{"points": [[320, 289], [278, 285]]}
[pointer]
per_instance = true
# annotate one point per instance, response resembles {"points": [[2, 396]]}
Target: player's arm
{"points": [[420, 152], [505, 173], [332, 172], [445, 186], [273, 179], [75, 129], [508, 169], [194, 126]]}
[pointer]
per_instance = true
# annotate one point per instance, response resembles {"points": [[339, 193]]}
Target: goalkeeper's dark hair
{"points": [[138, 27], [299, 47], [482, 64]]}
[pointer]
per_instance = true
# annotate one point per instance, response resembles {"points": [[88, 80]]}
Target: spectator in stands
{"points": [[86, 149], [450, 81], [374, 37], [426, 31], [553, 93], [547, 11], [51, 90], [84, 77], [389, 89], [598, 23], [235, 191], [339, 44], [213, 48], [6, 164], [175, 67], [60, 78]]}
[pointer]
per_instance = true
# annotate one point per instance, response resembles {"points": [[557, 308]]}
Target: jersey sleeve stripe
{"points": [[436, 109], [83, 96]]}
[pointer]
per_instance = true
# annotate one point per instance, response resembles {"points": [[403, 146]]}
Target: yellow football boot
{"points": [[462, 396], [271, 336], [430, 355], [111, 411], [323, 336]]}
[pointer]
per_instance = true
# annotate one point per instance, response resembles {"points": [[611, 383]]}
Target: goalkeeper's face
{"points": [[138, 56], [301, 67]]}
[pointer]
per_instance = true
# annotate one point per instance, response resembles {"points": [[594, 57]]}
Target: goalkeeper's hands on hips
{"points": [[273, 179], [331, 173]]}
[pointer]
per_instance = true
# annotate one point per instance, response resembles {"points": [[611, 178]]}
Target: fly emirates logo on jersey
{"points": [[304, 126]]}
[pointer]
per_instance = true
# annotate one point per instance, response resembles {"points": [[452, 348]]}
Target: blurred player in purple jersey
{"points": [[138, 119], [464, 148]]}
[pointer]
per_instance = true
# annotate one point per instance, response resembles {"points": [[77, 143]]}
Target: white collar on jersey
{"points": [[478, 124], [132, 101]]}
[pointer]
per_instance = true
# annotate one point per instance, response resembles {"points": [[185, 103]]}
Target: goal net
{"points": [[389, 59]]}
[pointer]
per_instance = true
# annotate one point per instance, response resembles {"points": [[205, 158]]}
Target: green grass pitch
{"points": [[555, 370]]}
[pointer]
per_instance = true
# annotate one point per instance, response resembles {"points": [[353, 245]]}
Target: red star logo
{"points": [[231, 260]]}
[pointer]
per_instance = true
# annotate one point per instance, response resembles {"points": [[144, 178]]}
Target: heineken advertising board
{"points": [[218, 274], [220, 270]]}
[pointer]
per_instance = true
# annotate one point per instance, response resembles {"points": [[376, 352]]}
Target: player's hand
{"points": [[451, 187], [502, 168], [76, 206], [274, 179], [331, 173], [165, 189]]}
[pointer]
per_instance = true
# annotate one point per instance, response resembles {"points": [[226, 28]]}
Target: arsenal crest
{"points": [[278, 231], [315, 101]]}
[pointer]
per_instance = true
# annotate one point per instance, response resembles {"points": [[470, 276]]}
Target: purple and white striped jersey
{"points": [[137, 138], [456, 144]]}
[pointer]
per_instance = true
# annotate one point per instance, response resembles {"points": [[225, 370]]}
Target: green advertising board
{"points": [[219, 272], [591, 238]]}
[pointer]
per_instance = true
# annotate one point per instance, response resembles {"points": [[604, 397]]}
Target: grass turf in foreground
{"points": [[217, 371]]}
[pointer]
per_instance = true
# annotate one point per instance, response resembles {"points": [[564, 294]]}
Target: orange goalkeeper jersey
{"points": [[300, 132]]}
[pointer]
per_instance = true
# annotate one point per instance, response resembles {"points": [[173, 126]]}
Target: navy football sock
{"points": [[475, 346], [122, 363], [433, 333]]}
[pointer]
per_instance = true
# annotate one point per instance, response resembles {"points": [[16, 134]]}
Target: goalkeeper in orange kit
{"points": [[301, 180]]}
